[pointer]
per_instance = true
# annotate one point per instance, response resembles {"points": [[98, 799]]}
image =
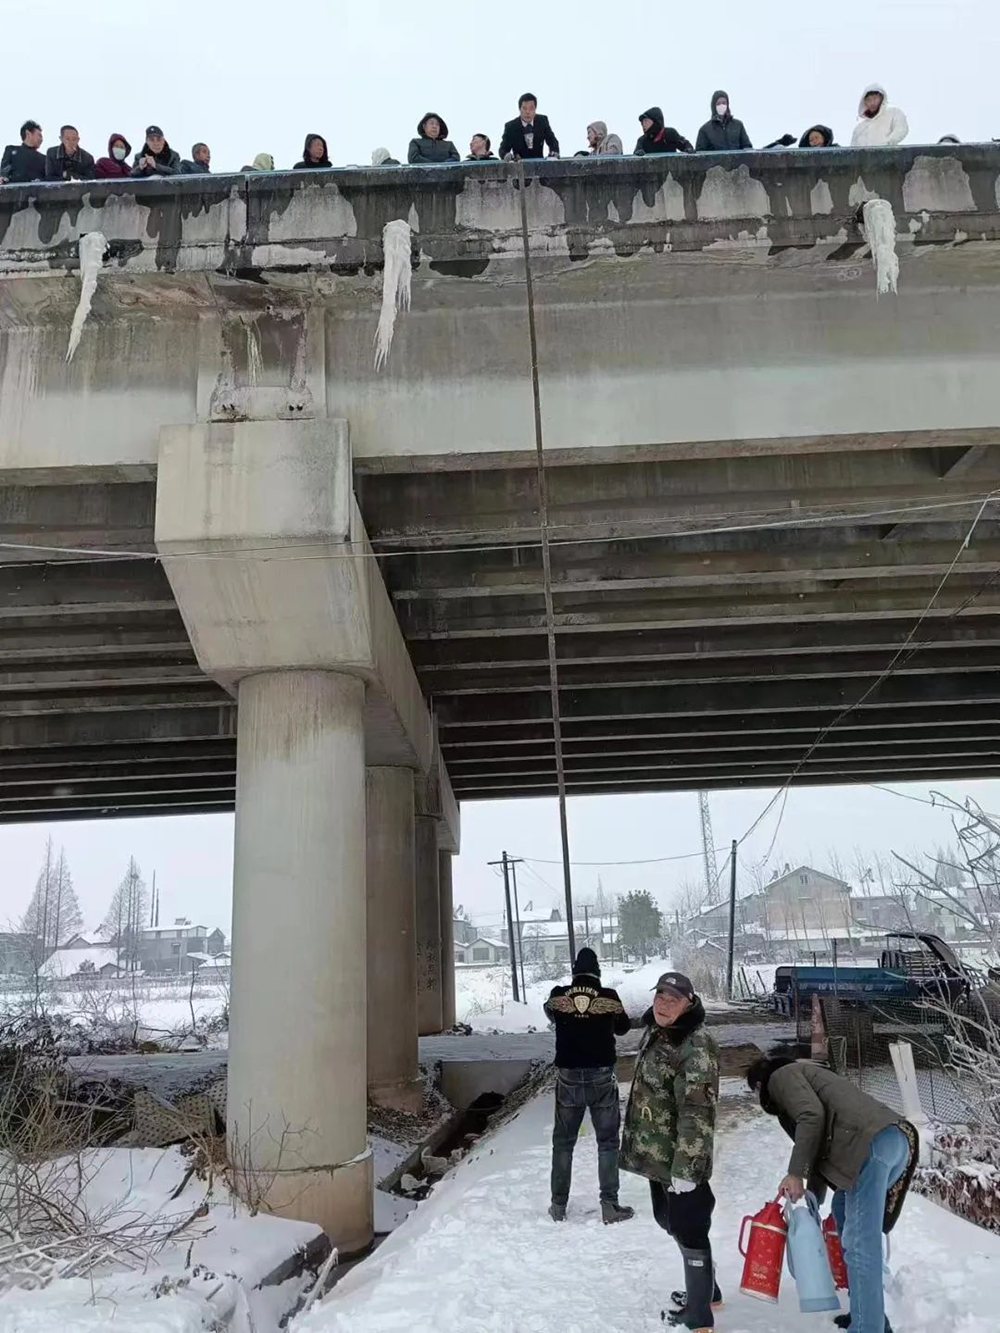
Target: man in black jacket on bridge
{"points": [[587, 1018]]}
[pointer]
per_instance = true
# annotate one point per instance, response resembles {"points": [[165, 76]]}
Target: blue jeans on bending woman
{"points": [[859, 1213]]}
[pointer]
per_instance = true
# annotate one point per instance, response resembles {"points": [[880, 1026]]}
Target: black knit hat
{"points": [[586, 964]]}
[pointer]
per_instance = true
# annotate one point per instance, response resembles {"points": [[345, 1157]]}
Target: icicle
{"points": [[92, 248], [395, 285], [255, 361], [880, 227]]}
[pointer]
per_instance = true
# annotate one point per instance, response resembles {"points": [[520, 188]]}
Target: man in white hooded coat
{"points": [[879, 124]]}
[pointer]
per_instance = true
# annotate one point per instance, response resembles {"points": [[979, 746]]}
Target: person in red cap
{"points": [[669, 1137]]}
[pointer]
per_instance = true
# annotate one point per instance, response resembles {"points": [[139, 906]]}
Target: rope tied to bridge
{"points": [[543, 518]]}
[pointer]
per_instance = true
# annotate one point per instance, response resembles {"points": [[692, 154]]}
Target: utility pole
{"points": [[505, 862], [514, 862], [732, 920]]}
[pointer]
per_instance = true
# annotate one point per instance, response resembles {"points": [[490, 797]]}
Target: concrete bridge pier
{"points": [[296, 1107], [430, 1000], [263, 544], [446, 903], [393, 1073]]}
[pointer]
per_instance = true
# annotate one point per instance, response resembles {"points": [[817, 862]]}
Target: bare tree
{"points": [[126, 917], [53, 915]]}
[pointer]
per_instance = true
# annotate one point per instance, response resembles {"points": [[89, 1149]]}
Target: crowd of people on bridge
{"points": [[842, 1139], [528, 135]]}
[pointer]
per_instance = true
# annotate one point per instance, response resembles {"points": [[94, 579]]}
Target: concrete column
{"points": [[393, 1074], [429, 999], [297, 1104], [447, 907]]}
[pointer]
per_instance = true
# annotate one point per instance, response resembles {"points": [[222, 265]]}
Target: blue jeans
{"points": [[859, 1213], [577, 1091]]}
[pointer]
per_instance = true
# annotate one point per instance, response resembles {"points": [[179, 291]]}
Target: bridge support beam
{"points": [[393, 1073], [267, 557]]}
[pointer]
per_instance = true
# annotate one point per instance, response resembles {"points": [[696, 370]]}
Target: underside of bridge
{"points": [[714, 617]]}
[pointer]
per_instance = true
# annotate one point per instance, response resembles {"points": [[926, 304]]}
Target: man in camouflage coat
{"points": [[670, 1136]]}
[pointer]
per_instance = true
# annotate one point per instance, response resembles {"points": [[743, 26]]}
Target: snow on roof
{"points": [[68, 962], [819, 933], [188, 930]]}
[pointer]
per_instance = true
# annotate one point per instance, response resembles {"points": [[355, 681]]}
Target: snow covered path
{"points": [[481, 1256]]}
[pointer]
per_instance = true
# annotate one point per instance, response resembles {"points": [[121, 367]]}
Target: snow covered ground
{"points": [[481, 1256], [482, 994], [159, 1008], [203, 1277]]}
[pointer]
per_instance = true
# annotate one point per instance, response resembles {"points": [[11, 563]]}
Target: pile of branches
{"points": [[48, 1227], [964, 1177]]}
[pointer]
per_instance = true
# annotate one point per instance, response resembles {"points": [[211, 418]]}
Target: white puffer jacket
{"points": [[889, 126]]}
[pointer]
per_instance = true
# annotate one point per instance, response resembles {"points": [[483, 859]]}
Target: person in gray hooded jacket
{"points": [[722, 132], [847, 1140], [432, 145]]}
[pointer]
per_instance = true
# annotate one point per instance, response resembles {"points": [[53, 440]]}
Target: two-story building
{"points": [[168, 949]]}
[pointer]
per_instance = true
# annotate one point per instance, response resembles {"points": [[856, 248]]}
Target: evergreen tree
{"points": [[638, 922], [126, 917]]}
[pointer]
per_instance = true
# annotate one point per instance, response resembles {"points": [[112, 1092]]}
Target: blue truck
{"points": [[912, 967]]}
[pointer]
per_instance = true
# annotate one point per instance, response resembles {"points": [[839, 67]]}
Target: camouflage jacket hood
{"points": [[670, 1119]]}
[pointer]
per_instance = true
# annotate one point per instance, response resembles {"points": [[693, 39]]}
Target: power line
{"points": [[903, 653], [354, 550], [647, 861]]}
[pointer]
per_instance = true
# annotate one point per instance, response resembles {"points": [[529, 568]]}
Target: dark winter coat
{"points": [[587, 1018], [109, 166], [486, 157], [191, 168], [670, 1118], [832, 1123], [425, 151], [168, 162], [20, 164], [513, 140], [660, 138], [61, 166], [307, 164], [722, 135], [826, 132]]}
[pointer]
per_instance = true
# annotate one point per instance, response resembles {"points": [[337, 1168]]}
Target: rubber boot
{"points": [[557, 1211], [844, 1321], [678, 1299], [615, 1212], [699, 1285]]}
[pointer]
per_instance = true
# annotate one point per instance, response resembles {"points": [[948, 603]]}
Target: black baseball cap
{"points": [[154, 130], [675, 983]]}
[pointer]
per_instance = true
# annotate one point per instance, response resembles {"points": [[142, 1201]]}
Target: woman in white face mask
{"points": [[723, 133], [116, 162]]}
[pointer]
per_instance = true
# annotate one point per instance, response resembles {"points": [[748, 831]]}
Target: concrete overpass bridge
{"points": [[227, 533]]}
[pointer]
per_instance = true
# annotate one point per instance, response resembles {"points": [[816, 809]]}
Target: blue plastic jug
{"points": [[807, 1258]]}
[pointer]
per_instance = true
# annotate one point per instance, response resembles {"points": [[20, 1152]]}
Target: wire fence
{"points": [[860, 1033]]}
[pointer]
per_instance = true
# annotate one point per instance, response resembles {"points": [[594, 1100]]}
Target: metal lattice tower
{"points": [[708, 848]]}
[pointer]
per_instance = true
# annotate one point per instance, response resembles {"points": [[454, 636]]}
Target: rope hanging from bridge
{"points": [[543, 518]]}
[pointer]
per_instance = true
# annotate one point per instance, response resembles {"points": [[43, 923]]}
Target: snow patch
{"points": [[667, 205], [939, 185], [92, 249], [396, 276], [732, 194], [820, 199], [880, 228]]}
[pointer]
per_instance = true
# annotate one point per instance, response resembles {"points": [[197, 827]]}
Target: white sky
{"points": [[256, 79]]}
